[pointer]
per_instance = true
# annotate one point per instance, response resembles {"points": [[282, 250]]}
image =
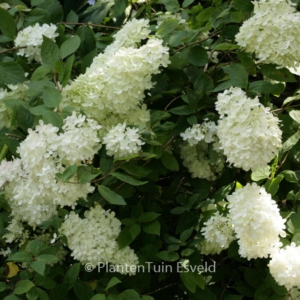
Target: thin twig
{"points": [[166, 108], [89, 24], [12, 49], [195, 43], [163, 288]]}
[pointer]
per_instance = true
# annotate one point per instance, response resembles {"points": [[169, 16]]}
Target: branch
{"points": [[88, 24], [195, 43], [12, 49]]}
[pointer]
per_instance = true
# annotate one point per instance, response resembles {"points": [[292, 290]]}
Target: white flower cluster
{"points": [[294, 294], [122, 141], [32, 189], [200, 154], [207, 131], [285, 266], [249, 134], [31, 37], [112, 89], [218, 233], [93, 239], [272, 33], [256, 220], [16, 91]]}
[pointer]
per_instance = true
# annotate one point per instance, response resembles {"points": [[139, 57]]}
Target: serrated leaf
{"points": [[188, 280], [23, 286], [295, 115], [110, 196], [183, 110], [11, 73], [114, 281], [40, 72], [171, 5], [168, 256], [51, 97], [68, 173], [7, 24], [272, 72], [226, 46], [238, 75], [261, 173], [49, 52], [167, 27], [128, 179], [53, 118], [169, 161], [72, 275], [47, 258], [197, 56], [152, 227], [69, 46], [272, 185], [20, 256], [38, 266], [289, 143], [148, 217]]}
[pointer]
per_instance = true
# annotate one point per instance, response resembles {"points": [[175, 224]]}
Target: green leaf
{"points": [[183, 110], [135, 170], [51, 97], [88, 42], [11, 73], [168, 256], [186, 234], [72, 275], [148, 217], [68, 70], [110, 196], [289, 143], [129, 295], [84, 174], [7, 24], [166, 27], [152, 227], [114, 281], [189, 281], [169, 161], [53, 118], [171, 5], [186, 3], [238, 75], [12, 297], [35, 246], [23, 286], [295, 115], [223, 192], [20, 256], [266, 87], [290, 176], [68, 173], [82, 290], [226, 46], [40, 72], [49, 52], [69, 46], [272, 72], [128, 179], [244, 5], [24, 118], [2, 286], [134, 230], [272, 185], [197, 56], [261, 173], [38, 266], [47, 258], [98, 297]]}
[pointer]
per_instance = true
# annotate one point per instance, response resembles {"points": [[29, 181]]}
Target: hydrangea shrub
{"points": [[149, 149]]}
